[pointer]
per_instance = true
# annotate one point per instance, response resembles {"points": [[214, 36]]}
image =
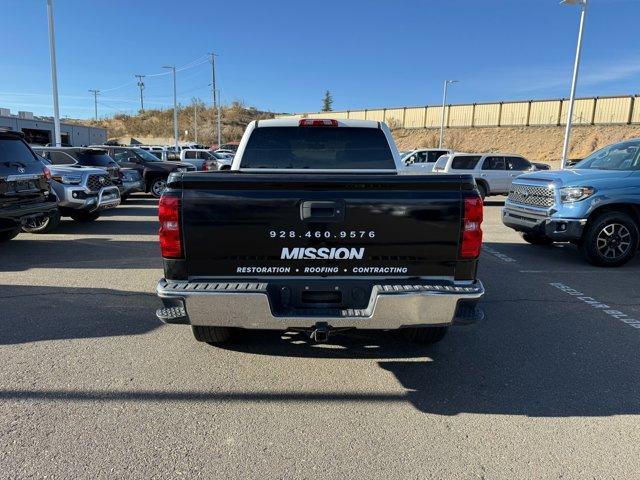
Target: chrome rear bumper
{"points": [[247, 305]]}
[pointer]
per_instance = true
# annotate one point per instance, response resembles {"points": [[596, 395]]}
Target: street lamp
{"points": [[444, 101], [54, 76], [175, 107], [574, 81]]}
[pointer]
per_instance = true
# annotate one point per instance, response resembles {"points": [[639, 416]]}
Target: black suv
{"points": [[24, 187], [153, 171]]}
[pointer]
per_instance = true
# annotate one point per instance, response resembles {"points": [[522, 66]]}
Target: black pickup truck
{"points": [[313, 229], [25, 193]]}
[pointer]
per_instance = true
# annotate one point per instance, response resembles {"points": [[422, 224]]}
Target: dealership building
{"points": [[39, 130]]}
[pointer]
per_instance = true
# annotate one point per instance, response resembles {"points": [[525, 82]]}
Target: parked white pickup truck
{"points": [[422, 160]]}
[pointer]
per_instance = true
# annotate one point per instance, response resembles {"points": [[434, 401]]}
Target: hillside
{"points": [[542, 144], [158, 124]]}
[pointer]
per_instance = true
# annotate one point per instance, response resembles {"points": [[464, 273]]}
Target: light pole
{"points": [[444, 101], [175, 107], [216, 93], [54, 76], [141, 86], [95, 103], [574, 80]]}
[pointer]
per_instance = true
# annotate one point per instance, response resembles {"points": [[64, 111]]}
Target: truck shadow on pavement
{"points": [[23, 254], [32, 313], [518, 362], [108, 226], [551, 258], [346, 345]]}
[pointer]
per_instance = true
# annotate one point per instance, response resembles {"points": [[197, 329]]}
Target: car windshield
{"points": [[620, 156], [93, 158], [146, 156]]}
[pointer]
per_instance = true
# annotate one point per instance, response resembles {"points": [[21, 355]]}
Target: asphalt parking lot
{"points": [[93, 386]]}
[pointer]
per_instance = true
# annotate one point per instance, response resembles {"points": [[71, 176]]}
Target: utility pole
{"points": [[141, 86], [54, 76], [219, 129], [574, 80], [95, 103], [215, 92], [444, 101], [195, 121], [175, 108]]}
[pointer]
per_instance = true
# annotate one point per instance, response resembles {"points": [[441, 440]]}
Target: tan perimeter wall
{"points": [[623, 110], [542, 144]]}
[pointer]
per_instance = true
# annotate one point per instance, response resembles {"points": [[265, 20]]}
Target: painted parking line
{"points": [[499, 255], [598, 305]]}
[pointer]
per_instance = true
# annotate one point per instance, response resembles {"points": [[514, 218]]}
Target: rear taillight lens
{"points": [[169, 216], [47, 173], [471, 228]]}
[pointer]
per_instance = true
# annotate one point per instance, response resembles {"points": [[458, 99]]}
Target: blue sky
{"points": [[282, 55]]}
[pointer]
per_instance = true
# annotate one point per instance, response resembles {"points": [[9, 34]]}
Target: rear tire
{"points": [[425, 335], [610, 240], [9, 235], [214, 335], [482, 190], [44, 225], [534, 239], [85, 217]]}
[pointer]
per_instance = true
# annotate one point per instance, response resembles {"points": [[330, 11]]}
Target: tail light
{"points": [[47, 173], [472, 228], [308, 122], [169, 233]]}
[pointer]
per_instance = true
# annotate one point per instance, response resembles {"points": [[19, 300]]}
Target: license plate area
{"points": [[23, 186], [321, 298]]}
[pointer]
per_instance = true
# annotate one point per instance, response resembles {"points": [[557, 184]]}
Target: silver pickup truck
{"points": [[81, 193]]}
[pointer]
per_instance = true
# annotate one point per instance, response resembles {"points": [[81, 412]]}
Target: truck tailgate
{"points": [[237, 224]]}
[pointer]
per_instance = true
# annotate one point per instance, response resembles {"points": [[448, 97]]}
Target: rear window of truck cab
{"points": [[318, 148]]}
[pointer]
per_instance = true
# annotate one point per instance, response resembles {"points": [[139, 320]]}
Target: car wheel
{"points": [[8, 235], [158, 186], [214, 335], [482, 190], [534, 239], [425, 335], [85, 217], [42, 224], [611, 240]]}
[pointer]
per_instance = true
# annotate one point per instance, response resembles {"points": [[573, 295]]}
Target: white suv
{"points": [[493, 172]]}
